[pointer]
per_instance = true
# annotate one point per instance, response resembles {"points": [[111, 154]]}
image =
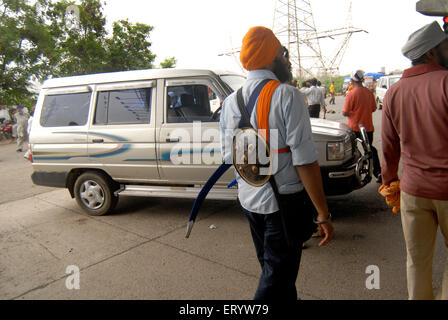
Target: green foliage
{"points": [[80, 42], [24, 43], [338, 82], [326, 82], [168, 63], [45, 39], [128, 49]]}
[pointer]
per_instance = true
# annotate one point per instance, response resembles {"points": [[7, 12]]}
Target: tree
{"points": [[84, 47], [80, 40], [338, 82], [63, 39], [168, 63], [128, 48], [24, 44]]}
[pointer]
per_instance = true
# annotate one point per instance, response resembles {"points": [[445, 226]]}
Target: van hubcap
{"points": [[92, 194]]}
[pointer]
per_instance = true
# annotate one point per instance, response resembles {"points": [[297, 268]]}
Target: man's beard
{"points": [[443, 61], [282, 71]]}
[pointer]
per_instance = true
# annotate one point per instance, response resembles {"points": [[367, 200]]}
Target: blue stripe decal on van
{"points": [[121, 149], [167, 155], [57, 158], [125, 147]]}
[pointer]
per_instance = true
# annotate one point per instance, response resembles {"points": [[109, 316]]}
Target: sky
{"points": [[196, 32]]}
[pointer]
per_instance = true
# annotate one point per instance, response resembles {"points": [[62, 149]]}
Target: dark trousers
{"points": [[314, 110], [280, 262], [332, 99], [376, 160]]}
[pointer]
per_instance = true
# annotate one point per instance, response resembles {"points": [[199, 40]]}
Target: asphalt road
{"points": [[140, 252]]}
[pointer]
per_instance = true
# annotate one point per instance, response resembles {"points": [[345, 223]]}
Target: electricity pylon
{"points": [[295, 28]]}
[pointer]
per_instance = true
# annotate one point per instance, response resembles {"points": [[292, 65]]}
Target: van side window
{"points": [[131, 106], [65, 110], [189, 103]]}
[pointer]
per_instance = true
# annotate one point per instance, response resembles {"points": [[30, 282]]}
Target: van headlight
{"points": [[335, 151]]}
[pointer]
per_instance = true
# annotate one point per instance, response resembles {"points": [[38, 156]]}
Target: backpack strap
{"points": [[246, 111], [263, 92]]}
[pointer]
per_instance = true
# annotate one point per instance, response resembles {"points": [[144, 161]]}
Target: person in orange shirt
{"points": [[358, 107]]}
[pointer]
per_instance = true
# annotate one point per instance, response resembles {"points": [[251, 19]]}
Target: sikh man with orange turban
{"points": [[278, 227]]}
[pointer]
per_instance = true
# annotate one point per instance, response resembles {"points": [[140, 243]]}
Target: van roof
{"points": [[393, 76], [137, 75]]}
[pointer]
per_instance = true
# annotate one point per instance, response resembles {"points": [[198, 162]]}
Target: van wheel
{"points": [[94, 194]]}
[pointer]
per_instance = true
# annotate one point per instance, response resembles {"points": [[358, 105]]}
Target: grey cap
{"points": [[357, 76], [423, 40]]}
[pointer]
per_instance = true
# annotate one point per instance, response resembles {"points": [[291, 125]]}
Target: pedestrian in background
{"points": [[315, 98], [4, 114], [350, 87], [305, 85], [333, 93], [322, 88], [358, 107], [21, 119], [324, 94], [415, 129], [30, 123]]}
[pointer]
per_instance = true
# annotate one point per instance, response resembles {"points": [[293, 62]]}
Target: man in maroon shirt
{"points": [[415, 129]]}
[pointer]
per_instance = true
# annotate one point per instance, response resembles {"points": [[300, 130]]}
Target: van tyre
{"points": [[94, 193]]}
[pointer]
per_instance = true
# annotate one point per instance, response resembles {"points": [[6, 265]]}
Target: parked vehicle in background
{"points": [[371, 79], [383, 84], [5, 130], [156, 133], [370, 83]]}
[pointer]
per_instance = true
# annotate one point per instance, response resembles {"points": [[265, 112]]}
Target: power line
{"points": [[295, 27]]}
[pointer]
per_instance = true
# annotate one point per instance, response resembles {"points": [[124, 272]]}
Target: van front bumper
{"points": [[353, 174], [339, 180]]}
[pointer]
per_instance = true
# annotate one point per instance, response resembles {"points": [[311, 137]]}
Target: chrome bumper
{"points": [[343, 174], [362, 169]]}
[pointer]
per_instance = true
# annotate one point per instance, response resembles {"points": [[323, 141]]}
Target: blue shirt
{"points": [[289, 125]]}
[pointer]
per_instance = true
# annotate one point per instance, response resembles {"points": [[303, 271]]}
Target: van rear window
{"points": [[130, 106], [64, 110]]}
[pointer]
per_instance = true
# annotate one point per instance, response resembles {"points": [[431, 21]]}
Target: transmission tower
{"points": [[295, 28]]}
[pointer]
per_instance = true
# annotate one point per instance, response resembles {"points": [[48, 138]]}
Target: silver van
{"points": [[156, 133], [382, 85]]}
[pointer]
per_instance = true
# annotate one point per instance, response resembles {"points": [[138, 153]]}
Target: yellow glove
{"points": [[392, 195]]}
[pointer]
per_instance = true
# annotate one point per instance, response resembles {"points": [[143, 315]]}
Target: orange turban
{"points": [[260, 47]]}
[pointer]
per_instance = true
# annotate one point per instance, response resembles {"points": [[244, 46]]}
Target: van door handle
{"points": [[98, 140], [172, 139]]}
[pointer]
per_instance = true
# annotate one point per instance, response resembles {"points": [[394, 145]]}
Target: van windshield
{"points": [[233, 81]]}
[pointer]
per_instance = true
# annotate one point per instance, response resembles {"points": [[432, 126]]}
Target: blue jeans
{"points": [[280, 262]]}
